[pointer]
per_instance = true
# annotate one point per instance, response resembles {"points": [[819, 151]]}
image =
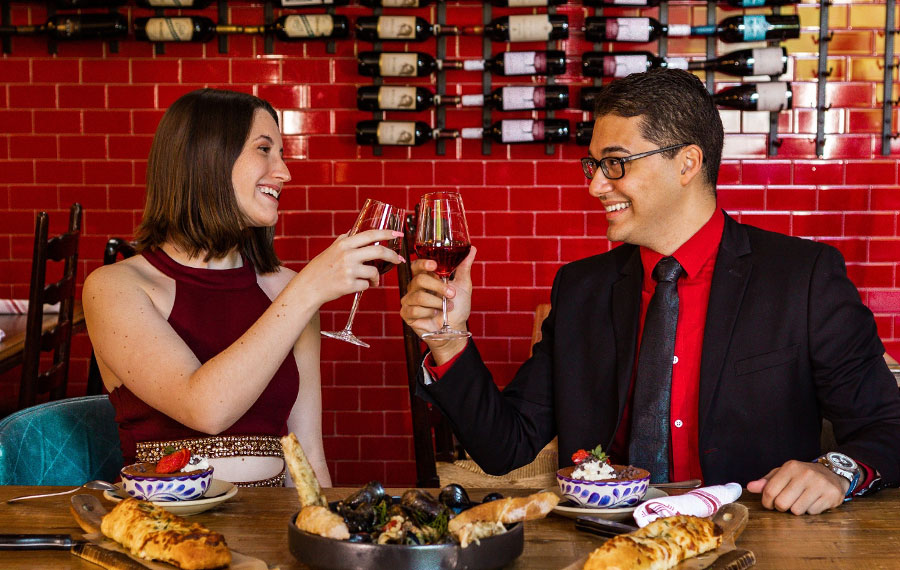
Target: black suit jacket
{"points": [[787, 342]]}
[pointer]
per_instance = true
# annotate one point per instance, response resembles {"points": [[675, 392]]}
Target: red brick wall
{"points": [[78, 126]]}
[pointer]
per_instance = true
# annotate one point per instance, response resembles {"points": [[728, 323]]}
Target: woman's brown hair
{"points": [[190, 195]]}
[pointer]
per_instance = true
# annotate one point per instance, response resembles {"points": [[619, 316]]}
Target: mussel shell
{"points": [[371, 493], [398, 510], [455, 497], [360, 519], [422, 504], [362, 537], [492, 497]]}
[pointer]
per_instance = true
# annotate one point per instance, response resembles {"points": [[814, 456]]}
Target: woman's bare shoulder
{"points": [[129, 277], [274, 282]]}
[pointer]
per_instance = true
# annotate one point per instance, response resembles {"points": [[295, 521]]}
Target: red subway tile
{"points": [[579, 248], [535, 199], [385, 448], [306, 122], [38, 198], [772, 222], [464, 173], [870, 224], [358, 172], [295, 147], [764, 173], [849, 146], [82, 97], [729, 173], [215, 71], [560, 224], [55, 122], [510, 224], [741, 198], [129, 146], [510, 274], [559, 173], [818, 172], [309, 224], [378, 398], [255, 71], [864, 121], [108, 222], [54, 70], [360, 423], [848, 94], [168, 94], [82, 146], [843, 198], [872, 172], [108, 172], [510, 172], [90, 198], [341, 448], [871, 275], [33, 146], [880, 301], [355, 473], [885, 198], [51, 171], [131, 96], [303, 71], [491, 249], [409, 172], [883, 250], [32, 96], [155, 71], [801, 146], [508, 324], [284, 96], [17, 171], [15, 71], [815, 224], [145, 121], [340, 398], [330, 97], [105, 71], [107, 122]]}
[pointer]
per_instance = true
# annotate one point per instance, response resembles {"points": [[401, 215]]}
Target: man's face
{"points": [[644, 206]]}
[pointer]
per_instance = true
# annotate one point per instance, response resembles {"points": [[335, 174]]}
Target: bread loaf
{"points": [[320, 520], [507, 510], [308, 490]]}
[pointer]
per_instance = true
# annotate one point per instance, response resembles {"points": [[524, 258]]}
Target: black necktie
{"points": [[648, 447]]}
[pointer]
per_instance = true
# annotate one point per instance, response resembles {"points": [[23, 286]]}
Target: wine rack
{"points": [[822, 76], [440, 112], [486, 80], [887, 131]]}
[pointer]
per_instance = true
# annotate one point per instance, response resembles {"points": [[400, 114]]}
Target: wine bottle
{"points": [[75, 27], [526, 28], [652, 3], [511, 131], [400, 98], [522, 98], [398, 133], [527, 3], [613, 29], [401, 28], [622, 63], [296, 27], [769, 96], [753, 28], [743, 62], [88, 3], [306, 3], [396, 3], [508, 63], [183, 29], [417, 64], [584, 131], [191, 4]]}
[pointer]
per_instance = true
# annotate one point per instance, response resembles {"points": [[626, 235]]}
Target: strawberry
{"points": [[174, 461], [580, 456]]}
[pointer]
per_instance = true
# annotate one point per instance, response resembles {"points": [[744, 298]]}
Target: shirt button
{"points": [[679, 423], [675, 360]]}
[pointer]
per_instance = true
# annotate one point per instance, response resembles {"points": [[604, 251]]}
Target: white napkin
{"points": [[20, 307], [703, 502]]}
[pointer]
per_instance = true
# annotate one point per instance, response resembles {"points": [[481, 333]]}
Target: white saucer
{"points": [[567, 509], [219, 492]]}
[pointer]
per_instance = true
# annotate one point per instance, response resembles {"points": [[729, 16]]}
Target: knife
{"points": [[106, 558]]}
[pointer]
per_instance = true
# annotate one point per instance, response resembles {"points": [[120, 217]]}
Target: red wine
{"points": [[399, 28], [398, 133], [768, 96], [187, 4], [447, 256], [181, 29], [528, 28], [525, 97], [295, 27], [381, 265], [752, 28], [550, 62], [509, 131]]}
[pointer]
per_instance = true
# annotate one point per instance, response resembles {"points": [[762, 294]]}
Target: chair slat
{"points": [[62, 246]]}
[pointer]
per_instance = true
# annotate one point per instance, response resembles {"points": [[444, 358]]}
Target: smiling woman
{"points": [[204, 341]]}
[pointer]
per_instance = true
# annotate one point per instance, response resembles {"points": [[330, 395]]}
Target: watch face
{"points": [[841, 460]]}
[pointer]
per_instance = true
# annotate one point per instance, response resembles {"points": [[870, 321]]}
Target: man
{"points": [[771, 335]]}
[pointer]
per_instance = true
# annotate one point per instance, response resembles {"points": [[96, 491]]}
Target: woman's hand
{"points": [[342, 269]]}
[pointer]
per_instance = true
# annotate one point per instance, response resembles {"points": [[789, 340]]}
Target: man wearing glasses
{"points": [[700, 348]]}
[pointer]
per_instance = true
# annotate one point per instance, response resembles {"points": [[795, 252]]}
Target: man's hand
{"points": [[421, 306], [801, 487]]}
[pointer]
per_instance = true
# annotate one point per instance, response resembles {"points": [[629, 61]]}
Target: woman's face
{"points": [[259, 172]]}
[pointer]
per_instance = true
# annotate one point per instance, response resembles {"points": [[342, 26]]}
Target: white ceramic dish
{"points": [[219, 492], [567, 509]]}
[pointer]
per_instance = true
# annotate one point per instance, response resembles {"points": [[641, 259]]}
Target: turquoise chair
{"points": [[64, 442]]}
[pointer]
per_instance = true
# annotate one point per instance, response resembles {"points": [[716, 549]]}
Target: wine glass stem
{"points": [[444, 306], [353, 311]]}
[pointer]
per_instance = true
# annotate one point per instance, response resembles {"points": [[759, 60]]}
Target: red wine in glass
{"points": [[443, 235], [374, 215]]}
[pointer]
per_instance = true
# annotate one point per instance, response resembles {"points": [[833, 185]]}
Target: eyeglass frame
{"points": [[589, 163]]}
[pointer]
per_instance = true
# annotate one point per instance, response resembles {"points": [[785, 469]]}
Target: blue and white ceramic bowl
{"points": [[607, 494], [142, 482]]}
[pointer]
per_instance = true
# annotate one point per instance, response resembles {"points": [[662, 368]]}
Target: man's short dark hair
{"points": [[674, 107], [190, 195]]}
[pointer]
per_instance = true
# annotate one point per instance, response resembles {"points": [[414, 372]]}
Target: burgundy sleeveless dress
{"points": [[213, 308]]}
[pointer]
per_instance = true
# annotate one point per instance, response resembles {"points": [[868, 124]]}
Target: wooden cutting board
{"points": [[88, 512], [732, 518]]}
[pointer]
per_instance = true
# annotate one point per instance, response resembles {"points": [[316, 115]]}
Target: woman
{"points": [[203, 340]]}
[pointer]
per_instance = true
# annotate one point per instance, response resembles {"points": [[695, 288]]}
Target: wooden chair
{"points": [[63, 248], [115, 248]]}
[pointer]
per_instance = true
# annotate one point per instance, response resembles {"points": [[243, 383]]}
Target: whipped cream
{"points": [[195, 463], [594, 471]]}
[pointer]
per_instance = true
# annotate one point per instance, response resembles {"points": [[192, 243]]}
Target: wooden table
{"points": [[863, 534], [12, 347]]}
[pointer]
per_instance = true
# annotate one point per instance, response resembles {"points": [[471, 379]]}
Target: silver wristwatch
{"points": [[842, 465]]}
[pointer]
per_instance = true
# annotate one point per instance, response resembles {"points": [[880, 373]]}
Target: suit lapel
{"points": [[626, 312], [729, 282]]}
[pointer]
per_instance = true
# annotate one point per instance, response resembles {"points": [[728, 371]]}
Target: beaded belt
{"points": [[217, 446]]}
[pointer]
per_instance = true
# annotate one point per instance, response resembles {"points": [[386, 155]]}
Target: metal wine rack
{"points": [[486, 80], [440, 112], [889, 66], [822, 76]]}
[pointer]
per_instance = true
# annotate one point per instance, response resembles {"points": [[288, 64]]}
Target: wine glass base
{"points": [[446, 334], [345, 336]]}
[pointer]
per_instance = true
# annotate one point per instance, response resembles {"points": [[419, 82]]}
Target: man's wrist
{"points": [[445, 351]]}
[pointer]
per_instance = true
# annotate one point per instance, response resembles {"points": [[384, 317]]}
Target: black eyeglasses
{"points": [[613, 167]]}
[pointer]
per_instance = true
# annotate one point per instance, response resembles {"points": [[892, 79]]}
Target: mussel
{"points": [[372, 493], [492, 497], [363, 537], [359, 519], [423, 506], [455, 497]]}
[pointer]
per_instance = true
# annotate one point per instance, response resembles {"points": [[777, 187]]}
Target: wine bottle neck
{"points": [[444, 134], [447, 100], [232, 29], [449, 64], [440, 30]]}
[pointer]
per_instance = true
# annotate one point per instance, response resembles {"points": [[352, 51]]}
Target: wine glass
{"points": [[442, 235], [374, 215]]}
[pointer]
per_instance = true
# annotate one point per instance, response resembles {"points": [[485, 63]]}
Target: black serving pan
{"points": [[329, 554]]}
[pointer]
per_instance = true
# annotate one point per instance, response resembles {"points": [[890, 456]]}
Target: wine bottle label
{"points": [[767, 61], [631, 30], [170, 3], [755, 28], [169, 29], [679, 30], [512, 131], [308, 25], [472, 133], [519, 63], [677, 63], [529, 28], [622, 65], [396, 133], [397, 98], [288, 3], [398, 64], [522, 3], [400, 3], [473, 100], [397, 27], [772, 96], [473, 65], [630, 2], [516, 98]]}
